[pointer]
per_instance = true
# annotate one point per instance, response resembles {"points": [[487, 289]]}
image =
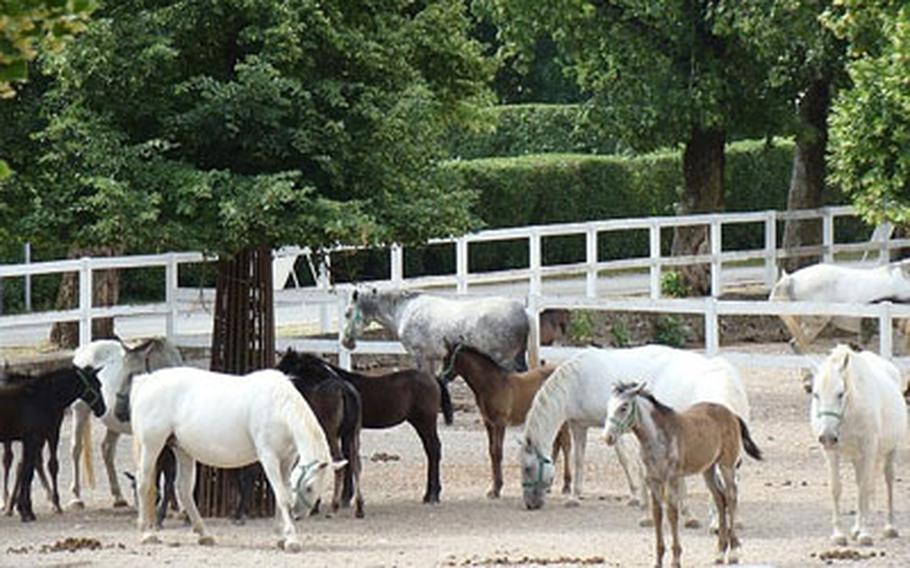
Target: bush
{"points": [[517, 130]]}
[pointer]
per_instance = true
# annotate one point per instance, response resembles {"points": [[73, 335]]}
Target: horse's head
{"points": [[622, 411], [309, 481], [91, 389], [537, 473], [830, 395], [354, 319]]}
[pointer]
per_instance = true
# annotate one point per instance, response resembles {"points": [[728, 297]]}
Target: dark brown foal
{"points": [[707, 438]]}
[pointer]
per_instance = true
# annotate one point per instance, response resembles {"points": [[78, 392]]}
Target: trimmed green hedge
{"points": [[559, 188], [517, 130]]}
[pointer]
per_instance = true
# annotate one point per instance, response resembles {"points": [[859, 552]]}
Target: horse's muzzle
{"points": [[828, 440]]}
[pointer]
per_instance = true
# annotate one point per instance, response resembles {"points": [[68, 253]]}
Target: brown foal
{"points": [[707, 438], [504, 399]]}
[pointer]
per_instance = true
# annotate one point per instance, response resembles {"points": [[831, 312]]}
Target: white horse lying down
{"points": [[116, 362], [228, 421], [578, 392], [858, 412], [841, 284]]}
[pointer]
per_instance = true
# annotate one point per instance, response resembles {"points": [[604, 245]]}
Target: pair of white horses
{"points": [[578, 392], [219, 420]]}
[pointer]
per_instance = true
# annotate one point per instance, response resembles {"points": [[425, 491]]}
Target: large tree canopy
{"points": [[870, 127], [220, 125]]}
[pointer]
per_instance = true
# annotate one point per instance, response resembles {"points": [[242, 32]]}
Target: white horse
{"points": [[858, 412], [841, 284], [578, 392], [228, 421], [116, 362]]}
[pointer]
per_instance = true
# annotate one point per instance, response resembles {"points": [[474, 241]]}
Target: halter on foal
{"points": [[707, 438]]}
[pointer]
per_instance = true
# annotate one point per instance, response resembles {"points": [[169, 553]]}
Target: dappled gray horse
{"points": [[423, 323]]}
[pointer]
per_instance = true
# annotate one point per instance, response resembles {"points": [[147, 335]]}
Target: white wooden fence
{"points": [[463, 280]]}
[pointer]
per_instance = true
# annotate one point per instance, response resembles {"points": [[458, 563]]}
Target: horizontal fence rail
{"points": [[330, 297]]}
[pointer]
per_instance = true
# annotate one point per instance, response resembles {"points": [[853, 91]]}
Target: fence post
{"points": [[886, 331], [170, 296], [324, 282], [712, 343], [396, 264], [884, 253], [716, 265], [344, 356], [27, 254], [828, 234], [461, 265], [534, 286], [85, 301], [591, 259], [770, 248], [654, 240]]}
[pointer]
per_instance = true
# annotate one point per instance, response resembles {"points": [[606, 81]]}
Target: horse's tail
{"points": [[350, 437], [748, 443], [87, 462], [445, 400]]}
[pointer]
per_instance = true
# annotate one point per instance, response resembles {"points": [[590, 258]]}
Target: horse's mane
{"points": [[622, 387], [465, 348], [311, 368], [547, 412]]}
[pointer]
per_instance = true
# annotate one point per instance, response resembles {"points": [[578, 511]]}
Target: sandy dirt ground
{"points": [[785, 506]]}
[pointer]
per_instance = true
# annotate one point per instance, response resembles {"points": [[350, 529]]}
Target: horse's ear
{"points": [[375, 291], [355, 294]]}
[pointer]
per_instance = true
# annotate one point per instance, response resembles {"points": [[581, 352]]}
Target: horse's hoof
{"points": [[864, 540], [692, 523], [120, 503], [76, 505], [732, 557], [238, 521], [890, 532], [646, 522], [290, 545], [493, 494], [432, 499], [28, 518], [359, 513], [150, 539], [633, 502], [572, 502], [206, 540], [839, 540], [566, 490]]}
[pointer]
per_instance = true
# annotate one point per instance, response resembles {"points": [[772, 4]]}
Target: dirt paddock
{"points": [[785, 507]]}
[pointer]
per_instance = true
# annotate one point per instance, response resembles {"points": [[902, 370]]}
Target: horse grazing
{"points": [[504, 399], [842, 284], [578, 391], [422, 322], [387, 400], [337, 406], [706, 438], [227, 421], [858, 412], [31, 411], [117, 363]]}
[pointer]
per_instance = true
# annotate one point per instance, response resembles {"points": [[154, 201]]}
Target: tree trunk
{"points": [[703, 175], [105, 292], [807, 182], [243, 340]]}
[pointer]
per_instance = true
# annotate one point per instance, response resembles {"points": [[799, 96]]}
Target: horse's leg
{"points": [[731, 500], [657, 515], [7, 464], [631, 468], [108, 447], [718, 497], [429, 437], [186, 480], [283, 502], [673, 494], [80, 423], [53, 467], [689, 520], [353, 469], [495, 435], [335, 451], [890, 530], [147, 457], [564, 443], [833, 459], [579, 437], [31, 451], [864, 466], [42, 477], [245, 479], [165, 467]]}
